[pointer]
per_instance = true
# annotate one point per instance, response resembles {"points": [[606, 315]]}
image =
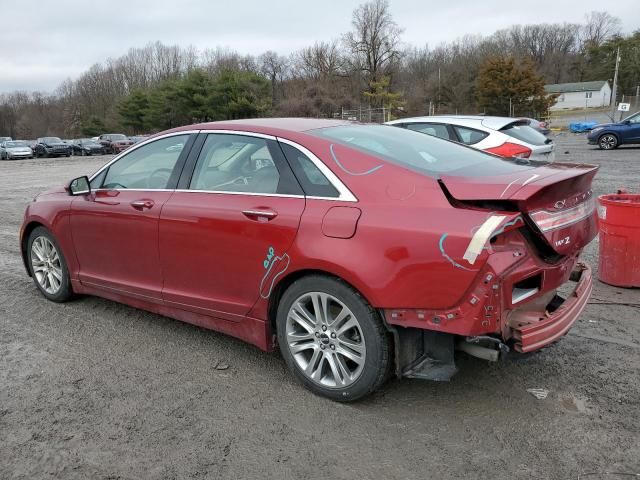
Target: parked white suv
{"points": [[504, 136]]}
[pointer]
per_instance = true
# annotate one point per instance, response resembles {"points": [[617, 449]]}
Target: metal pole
{"points": [[614, 91], [637, 96]]}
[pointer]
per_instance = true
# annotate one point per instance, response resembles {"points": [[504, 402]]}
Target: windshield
{"points": [[88, 141], [16, 144], [116, 137], [423, 153], [635, 118], [524, 133], [51, 140]]}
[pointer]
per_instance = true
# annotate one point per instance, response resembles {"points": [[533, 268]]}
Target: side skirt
{"points": [[249, 329]]}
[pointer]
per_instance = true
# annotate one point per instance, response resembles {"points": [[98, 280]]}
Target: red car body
{"points": [[479, 257]]}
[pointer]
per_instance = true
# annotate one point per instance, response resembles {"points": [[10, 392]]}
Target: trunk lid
{"points": [[556, 201]]}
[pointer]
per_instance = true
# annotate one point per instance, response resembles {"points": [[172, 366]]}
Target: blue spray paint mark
{"points": [[449, 259], [349, 171], [506, 225], [270, 254]]}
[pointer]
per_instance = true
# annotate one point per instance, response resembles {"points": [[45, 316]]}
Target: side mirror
{"points": [[80, 186], [627, 122]]}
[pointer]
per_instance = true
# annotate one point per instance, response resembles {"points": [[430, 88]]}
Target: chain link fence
{"points": [[365, 114]]}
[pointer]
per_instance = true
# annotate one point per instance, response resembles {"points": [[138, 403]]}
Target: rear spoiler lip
{"points": [[522, 187]]}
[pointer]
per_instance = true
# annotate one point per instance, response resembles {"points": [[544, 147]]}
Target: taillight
{"points": [[547, 221], [508, 149]]}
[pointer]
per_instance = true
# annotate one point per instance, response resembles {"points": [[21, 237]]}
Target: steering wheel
{"points": [[162, 174]]}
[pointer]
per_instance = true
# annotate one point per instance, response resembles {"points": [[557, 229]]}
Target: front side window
{"points": [[241, 164], [147, 167], [469, 136], [433, 129]]}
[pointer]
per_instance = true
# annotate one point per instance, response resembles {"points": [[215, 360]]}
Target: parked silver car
{"points": [[14, 149]]}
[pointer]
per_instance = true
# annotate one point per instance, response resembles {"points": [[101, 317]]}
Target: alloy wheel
{"points": [[325, 340], [46, 265], [607, 142]]}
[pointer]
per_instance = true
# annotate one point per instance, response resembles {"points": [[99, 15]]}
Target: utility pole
{"points": [[614, 91]]}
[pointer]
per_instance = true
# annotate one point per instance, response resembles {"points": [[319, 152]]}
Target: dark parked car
{"points": [[86, 146], [13, 149], [359, 250], [539, 125], [114, 142], [612, 135], [51, 147]]}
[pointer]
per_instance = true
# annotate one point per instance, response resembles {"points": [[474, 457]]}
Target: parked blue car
{"points": [[611, 135]]}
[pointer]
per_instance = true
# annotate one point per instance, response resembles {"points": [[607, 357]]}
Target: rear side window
{"points": [[470, 136], [313, 181], [524, 133], [433, 129], [242, 164]]}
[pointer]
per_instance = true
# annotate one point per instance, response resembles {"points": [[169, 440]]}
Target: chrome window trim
{"points": [[345, 195], [240, 132], [135, 147]]}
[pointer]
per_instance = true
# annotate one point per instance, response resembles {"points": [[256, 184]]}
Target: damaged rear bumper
{"points": [[533, 329]]}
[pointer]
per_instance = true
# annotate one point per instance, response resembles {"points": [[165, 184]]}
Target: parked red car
{"points": [[359, 250], [114, 142]]}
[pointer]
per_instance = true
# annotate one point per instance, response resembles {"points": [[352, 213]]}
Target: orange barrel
{"points": [[619, 219]]}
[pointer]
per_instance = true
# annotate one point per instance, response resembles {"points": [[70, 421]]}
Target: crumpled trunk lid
{"points": [[556, 201]]}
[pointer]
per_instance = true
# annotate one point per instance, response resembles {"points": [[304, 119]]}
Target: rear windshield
{"points": [[422, 153], [524, 133]]}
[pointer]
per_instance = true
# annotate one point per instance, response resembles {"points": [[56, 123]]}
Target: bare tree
{"points": [[599, 27], [374, 42], [320, 61], [275, 67]]}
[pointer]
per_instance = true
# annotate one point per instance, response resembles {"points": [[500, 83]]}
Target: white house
{"points": [[580, 94]]}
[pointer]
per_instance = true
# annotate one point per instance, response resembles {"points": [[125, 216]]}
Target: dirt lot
{"points": [[93, 389]]}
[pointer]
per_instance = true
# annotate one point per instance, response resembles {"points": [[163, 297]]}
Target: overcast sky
{"points": [[43, 42]]}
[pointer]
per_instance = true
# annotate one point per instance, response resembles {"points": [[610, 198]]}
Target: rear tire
{"points": [[332, 340], [608, 142], [48, 266]]}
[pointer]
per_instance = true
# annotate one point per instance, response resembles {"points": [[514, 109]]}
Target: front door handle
{"points": [[260, 215], [142, 204]]}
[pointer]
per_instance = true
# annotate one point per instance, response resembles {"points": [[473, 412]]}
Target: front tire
{"points": [[331, 339], [48, 266], [608, 142]]}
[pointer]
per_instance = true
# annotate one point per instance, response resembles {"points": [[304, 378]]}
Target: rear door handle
{"points": [[260, 215], [142, 204]]}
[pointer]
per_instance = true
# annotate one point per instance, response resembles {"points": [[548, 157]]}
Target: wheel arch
{"points": [[609, 132], [29, 227], [286, 281]]}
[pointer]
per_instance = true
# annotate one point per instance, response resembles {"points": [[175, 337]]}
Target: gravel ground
{"points": [[94, 389]]}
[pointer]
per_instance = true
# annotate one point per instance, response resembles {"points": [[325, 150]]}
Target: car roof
{"points": [[494, 123], [268, 125]]}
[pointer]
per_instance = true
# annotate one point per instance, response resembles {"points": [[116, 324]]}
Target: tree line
{"points": [[159, 86]]}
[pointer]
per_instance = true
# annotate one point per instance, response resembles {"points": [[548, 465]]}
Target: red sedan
{"points": [[360, 250]]}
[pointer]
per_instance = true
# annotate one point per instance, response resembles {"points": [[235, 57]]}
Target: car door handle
{"points": [[260, 215], [142, 204]]}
